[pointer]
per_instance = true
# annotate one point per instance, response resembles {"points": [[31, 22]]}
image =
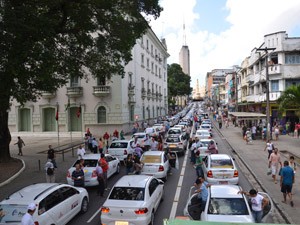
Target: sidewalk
{"points": [[255, 158]]}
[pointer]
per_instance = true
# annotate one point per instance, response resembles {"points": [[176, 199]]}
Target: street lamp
{"points": [[267, 89]]}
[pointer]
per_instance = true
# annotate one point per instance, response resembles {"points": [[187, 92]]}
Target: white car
{"points": [[133, 200], [155, 163], [181, 126], [174, 131], [203, 134], [90, 163], [55, 204], [220, 169], [204, 148], [224, 204], [120, 149], [205, 126]]}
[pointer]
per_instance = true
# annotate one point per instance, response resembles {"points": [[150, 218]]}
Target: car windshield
{"points": [[172, 139], [205, 143], [128, 193], [227, 206], [139, 136], [88, 162], [221, 163], [12, 213], [118, 145], [202, 133], [174, 131], [205, 126], [151, 159]]}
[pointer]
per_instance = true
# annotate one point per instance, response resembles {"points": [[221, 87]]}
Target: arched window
{"points": [[101, 114]]}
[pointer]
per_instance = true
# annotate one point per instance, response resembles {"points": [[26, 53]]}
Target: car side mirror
{"points": [[161, 182]]}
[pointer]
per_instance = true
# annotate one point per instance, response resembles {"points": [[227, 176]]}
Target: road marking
{"points": [[93, 216], [178, 190]]}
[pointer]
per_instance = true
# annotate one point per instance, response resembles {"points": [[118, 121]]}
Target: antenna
{"points": [[184, 35]]}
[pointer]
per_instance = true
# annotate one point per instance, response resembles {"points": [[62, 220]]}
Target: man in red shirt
{"points": [[106, 137], [104, 166]]}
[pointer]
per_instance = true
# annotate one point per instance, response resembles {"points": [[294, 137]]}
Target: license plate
{"points": [[172, 146], [121, 223], [223, 182]]}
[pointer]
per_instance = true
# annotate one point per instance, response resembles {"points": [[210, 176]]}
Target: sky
{"points": [[222, 33]]}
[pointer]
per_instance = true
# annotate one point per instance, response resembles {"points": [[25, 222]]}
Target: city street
{"points": [[176, 188]]}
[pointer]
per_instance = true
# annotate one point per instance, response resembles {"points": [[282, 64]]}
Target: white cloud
{"points": [[250, 20]]}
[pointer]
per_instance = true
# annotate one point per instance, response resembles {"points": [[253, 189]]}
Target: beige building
{"points": [[100, 104]]}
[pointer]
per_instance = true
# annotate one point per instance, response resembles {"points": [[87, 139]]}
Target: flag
{"points": [[78, 113], [68, 105], [56, 115]]}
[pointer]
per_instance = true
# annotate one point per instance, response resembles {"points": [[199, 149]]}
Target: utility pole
{"points": [[267, 89]]}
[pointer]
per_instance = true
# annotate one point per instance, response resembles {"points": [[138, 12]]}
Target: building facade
{"points": [[100, 104]]}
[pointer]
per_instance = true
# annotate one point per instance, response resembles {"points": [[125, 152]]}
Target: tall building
{"points": [[100, 104], [184, 59]]}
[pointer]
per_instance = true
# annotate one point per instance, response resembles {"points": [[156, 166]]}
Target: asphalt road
{"points": [[166, 208]]}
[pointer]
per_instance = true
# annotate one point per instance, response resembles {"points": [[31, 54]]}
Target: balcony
{"points": [[48, 95], [74, 92], [149, 95], [275, 69], [101, 90], [160, 97], [144, 93], [131, 100]]}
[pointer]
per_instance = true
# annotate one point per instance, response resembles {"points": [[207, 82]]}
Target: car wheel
{"points": [[118, 169], [152, 219], [84, 205]]}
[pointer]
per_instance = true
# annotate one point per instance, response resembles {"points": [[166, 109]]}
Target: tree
{"points": [[178, 82], [45, 42], [290, 99]]}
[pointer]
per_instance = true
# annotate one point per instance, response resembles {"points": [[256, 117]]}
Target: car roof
{"points": [[94, 156], [120, 141], [140, 133], [206, 140], [133, 181], [225, 191], [200, 130], [220, 156], [30, 193], [153, 153]]}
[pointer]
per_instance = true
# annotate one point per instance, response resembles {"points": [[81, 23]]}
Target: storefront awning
{"points": [[248, 115]]}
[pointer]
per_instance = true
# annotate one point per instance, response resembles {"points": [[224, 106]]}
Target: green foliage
{"points": [[178, 81], [290, 98], [45, 42]]}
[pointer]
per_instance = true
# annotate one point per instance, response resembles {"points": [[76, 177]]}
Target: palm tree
{"points": [[290, 99]]}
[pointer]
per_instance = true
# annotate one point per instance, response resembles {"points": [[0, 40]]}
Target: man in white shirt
{"points": [[80, 152], [27, 219], [253, 130], [50, 175]]}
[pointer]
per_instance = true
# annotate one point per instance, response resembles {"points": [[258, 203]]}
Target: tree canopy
{"points": [[290, 99], [178, 81], [45, 42]]}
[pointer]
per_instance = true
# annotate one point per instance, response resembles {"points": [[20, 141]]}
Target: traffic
{"points": [[138, 176]]}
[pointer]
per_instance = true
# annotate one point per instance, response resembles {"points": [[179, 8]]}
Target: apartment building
{"points": [[100, 104]]}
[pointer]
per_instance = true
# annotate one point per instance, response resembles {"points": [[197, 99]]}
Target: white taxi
{"points": [[89, 169], [220, 169], [55, 204], [224, 204], [134, 199]]}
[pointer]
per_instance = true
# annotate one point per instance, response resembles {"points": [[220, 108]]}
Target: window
{"points": [[101, 81], [147, 44], [292, 58], [291, 82], [142, 59], [221, 163], [148, 63], [119, 145], [68, 192], [101, 113], [128, 193], [50, 201], [152, 186], [274, 85], [152, 67], [74, 81], [131, 113], [151, 49], [227, 206]]}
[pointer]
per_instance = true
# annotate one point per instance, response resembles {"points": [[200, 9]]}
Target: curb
{"points": [[15, 175], [276, 203]]}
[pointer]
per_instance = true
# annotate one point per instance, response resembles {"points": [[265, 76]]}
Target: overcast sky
{"points": [[221, 33]]}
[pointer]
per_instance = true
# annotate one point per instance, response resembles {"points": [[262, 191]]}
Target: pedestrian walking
{"points": [[274, 162], [100, 179], [20, 144], [129, 164], [220, 121], [51, 155], [286, 182], [258, 203], [153, 144], [253, 131], [50, 175], [104, 165], [122, 135], [293, 165], [270, 147], [78, 176], [95, 146], [198, 164], [27, 219], [100, 145], [276, 132], [105, 138], [80, 152], [288, 128]]}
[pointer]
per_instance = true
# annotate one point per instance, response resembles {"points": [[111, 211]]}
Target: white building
{"points": [[99, 104]]}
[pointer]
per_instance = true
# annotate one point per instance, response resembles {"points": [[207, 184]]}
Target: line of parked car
{"points": [[223, 204]]}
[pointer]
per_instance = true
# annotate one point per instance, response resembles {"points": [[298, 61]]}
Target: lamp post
{"points": [[267, 89]]}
